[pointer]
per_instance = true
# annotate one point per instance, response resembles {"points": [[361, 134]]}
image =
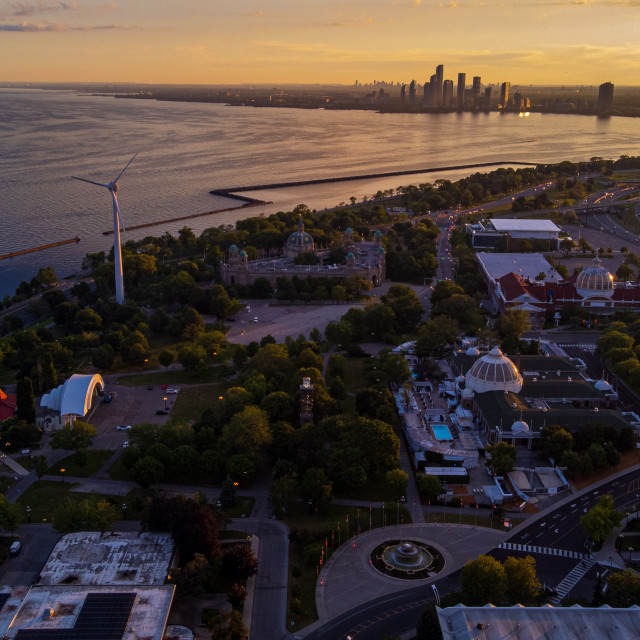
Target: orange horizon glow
{"points": [[540, 42]]}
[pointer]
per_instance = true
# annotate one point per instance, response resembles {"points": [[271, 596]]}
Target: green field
{"points": [[95, 459], [192, 401]]}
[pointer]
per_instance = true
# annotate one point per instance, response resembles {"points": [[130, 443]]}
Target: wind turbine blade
{"points": [[120, 174], [106, 186]]}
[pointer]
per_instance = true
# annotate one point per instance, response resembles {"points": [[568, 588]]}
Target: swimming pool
{"points": [[441, 432]]}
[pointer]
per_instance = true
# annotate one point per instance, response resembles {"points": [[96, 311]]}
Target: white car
{"points": [[255, 319], [123, 427], [125, 444], [171, 391]]}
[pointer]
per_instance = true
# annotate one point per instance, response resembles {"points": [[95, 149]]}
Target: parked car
{"points": [[150, 387], [123, 427], [255, 319], [14, 549], [171, 390], [164, 387], [125, 444], [162, 412]]}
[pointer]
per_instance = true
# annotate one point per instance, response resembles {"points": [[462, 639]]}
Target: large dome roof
{"points": [[300, 241], [493, 372], [594, 281]]}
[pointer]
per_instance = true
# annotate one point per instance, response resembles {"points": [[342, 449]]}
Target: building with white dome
{"points": [[512, 284], [493, 372], [71, 401]]}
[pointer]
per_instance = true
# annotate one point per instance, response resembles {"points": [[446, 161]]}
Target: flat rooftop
{"points": [[561, 623], [111, 558], [57, 612], [524, 225], [527, 265]]}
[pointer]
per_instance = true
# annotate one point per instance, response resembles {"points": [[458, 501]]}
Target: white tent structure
{"points": [[74, 398]]}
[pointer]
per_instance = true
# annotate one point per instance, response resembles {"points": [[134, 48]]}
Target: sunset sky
{"points": [[320, 41]]}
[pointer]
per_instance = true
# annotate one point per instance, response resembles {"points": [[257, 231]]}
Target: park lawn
{"points": [[375, 490], [331, 519], [191, 402], [45, 496], [95, 459], [171, 377], [627, 219], [243, 507]]}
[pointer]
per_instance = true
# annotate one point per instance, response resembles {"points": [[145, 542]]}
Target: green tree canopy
{"points": [[599, 522], [74, 436], [484, 581]]}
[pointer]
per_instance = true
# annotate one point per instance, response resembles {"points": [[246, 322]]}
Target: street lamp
{"points": [[124, 511], [165, 403], [62, 472], [28, 510]]}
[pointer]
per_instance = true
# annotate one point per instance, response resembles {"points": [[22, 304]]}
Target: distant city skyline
{"points": [[540, 42]]}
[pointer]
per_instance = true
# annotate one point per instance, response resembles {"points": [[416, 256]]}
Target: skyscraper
{"points": [[476, 88], [487, 97], [504, 95], [439, 84], [447, 93], [605, 97], [412, 92], [403, 94], [462, 79], [426, 98]]}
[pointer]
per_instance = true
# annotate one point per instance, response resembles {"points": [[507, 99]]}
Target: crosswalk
{"points": [[549, 551], [570, 580]]}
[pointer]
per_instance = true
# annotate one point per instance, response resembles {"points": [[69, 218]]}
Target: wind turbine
{"points": [[117, 221]]}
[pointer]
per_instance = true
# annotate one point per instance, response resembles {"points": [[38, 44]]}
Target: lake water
{"points": [[185, 150]]}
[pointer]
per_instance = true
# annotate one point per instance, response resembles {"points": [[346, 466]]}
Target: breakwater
{"points": [[232, 191], [248, 202], [22, 252]]}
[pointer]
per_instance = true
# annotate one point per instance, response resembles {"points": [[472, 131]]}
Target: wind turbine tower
{"points": [[117, 223]]}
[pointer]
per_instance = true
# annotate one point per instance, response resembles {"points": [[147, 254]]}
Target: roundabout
{"points": [[407, 559]]}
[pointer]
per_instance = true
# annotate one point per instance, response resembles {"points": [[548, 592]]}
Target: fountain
{"points": [[407, 557]]}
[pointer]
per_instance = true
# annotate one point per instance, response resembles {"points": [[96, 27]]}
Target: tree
{"points": [[625, 272], [25, 400], [87, 320], [228, 625], [193, 357], [74, 436], [484, 581], [84, 515], [103, 356], [239, 563], [40, 465], [623, 589], [190, 579], [523, 585], [429, 487], [316, 487], [599, 522], [237, 595], [10, 514], [503, 457], [148, 471], [165, 358], [248, 432], [428, 627], [513, 323], [284, 492], [555, 441], [397, 480]]}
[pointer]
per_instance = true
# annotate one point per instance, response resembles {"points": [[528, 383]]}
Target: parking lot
{"points": [[132, 405]]}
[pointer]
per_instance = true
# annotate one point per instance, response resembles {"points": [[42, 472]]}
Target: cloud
{"points": [[30, 8], [33, 27], [256, 13]]}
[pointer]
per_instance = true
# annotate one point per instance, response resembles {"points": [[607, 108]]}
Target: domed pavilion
{"points": [[493, 372], [595, 281], [298, 242]]}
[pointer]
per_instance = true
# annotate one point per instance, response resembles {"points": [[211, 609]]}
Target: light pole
{"points": [[28, 510], [165, 403], [62, 472]]}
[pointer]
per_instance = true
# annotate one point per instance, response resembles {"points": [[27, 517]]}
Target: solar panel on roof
{"points": [[103, 616]]}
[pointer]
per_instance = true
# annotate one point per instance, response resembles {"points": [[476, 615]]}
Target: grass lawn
{"points": [[316, 530], [44, 497], [243, 506], [376, 490], [191, 402], [95, 459], [171, 377]]}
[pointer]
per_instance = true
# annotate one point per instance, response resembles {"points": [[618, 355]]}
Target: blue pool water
{"points": [[441, 432]]}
